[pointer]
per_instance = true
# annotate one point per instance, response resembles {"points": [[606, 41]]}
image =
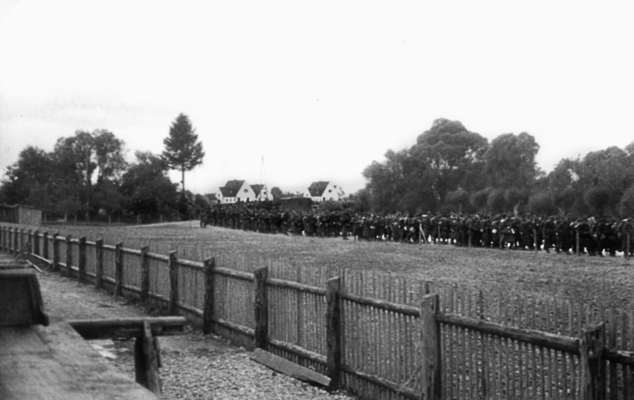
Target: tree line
{"points": [[452, 169], [86, 177]]}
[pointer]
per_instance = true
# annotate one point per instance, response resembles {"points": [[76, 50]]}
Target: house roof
{"points": [[231, 188], [257, 188], [316, 189]]}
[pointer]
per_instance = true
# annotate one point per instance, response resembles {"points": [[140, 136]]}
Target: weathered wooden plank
{"points": [[55, 363], [430, 347], [172, 266], [147, 359], [592, 373], [127, 327], [548, 340], [81, 262], [118, 270], [208, 307], [99, 263], [261, 308], [333, 331], [289, 368], [20, 298], [145, 273]]}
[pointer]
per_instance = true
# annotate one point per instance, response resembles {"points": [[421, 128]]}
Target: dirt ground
{"points": [[194, 366]]}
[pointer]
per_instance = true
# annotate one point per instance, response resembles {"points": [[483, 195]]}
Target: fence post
{"points": [[535, 244], [16, 244], [21, 241], [36, 242], [30, 242], [577, 248], [81, 262], [69, 256], [172, 265], [147, 360], [55, 251], [430, 348], [145, 274], [45, 245], [627, 245], [118, 269], [208, 310], [99, 263], [333, 331], [260, 307], [592, 368]]}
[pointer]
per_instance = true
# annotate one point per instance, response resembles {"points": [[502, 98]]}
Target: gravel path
{"points": [[194, 366]]}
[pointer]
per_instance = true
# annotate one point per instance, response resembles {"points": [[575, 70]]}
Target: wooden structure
{"points": [[373, 334], [42, 361], [20, 214]]}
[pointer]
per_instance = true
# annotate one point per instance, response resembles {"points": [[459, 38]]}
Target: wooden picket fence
{"points": [[378, 336]]}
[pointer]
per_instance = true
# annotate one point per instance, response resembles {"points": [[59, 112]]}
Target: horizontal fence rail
{"points": [[378, 338]]}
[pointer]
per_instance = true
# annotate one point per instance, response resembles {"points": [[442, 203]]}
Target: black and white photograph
{"points": [[321, 200]]}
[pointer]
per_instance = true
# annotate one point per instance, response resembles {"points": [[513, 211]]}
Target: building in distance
{"points": [[324, 191], [238, 190]]}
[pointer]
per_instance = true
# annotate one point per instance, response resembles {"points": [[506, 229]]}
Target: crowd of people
{"points": [[594, 236]]}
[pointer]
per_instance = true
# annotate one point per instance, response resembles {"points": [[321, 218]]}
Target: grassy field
{"points": [[586, 279]]}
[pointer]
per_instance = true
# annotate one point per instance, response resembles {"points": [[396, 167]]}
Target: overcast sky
{"points": [[317, 89]]}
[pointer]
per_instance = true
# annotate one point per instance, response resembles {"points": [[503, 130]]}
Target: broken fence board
{"points": [[289, 368]]}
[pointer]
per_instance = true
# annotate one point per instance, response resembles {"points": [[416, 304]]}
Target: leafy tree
{"points": [[445, 157], [31, 173], [478, 199], [458, 199], [565, 200], [510, 161], [107, 198], [276, 192], [514, 197], [609, 169], [85, 159], [496, 202], [108, 155], [597, 199], [541, 203], [182, 151], [626, 205], [146, 187]]}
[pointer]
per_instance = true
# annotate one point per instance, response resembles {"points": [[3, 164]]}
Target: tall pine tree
{"points": [[182, 151]]}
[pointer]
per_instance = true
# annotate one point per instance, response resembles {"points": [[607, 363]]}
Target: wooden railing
{"points": [[373, 347]]}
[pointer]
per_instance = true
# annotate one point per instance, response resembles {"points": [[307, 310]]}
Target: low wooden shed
{"points": [[20, 214]]}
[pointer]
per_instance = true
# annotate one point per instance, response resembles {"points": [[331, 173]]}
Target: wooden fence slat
{"points": [[55, 251], [146, 360], [36, 242], [81, 262], [208, 308], [118, 269], [99, 263], [145, 273], [333, 331], [45, 244], [260, 308], [69, 256], [430, 348], [592, 374], [172, 266]]}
